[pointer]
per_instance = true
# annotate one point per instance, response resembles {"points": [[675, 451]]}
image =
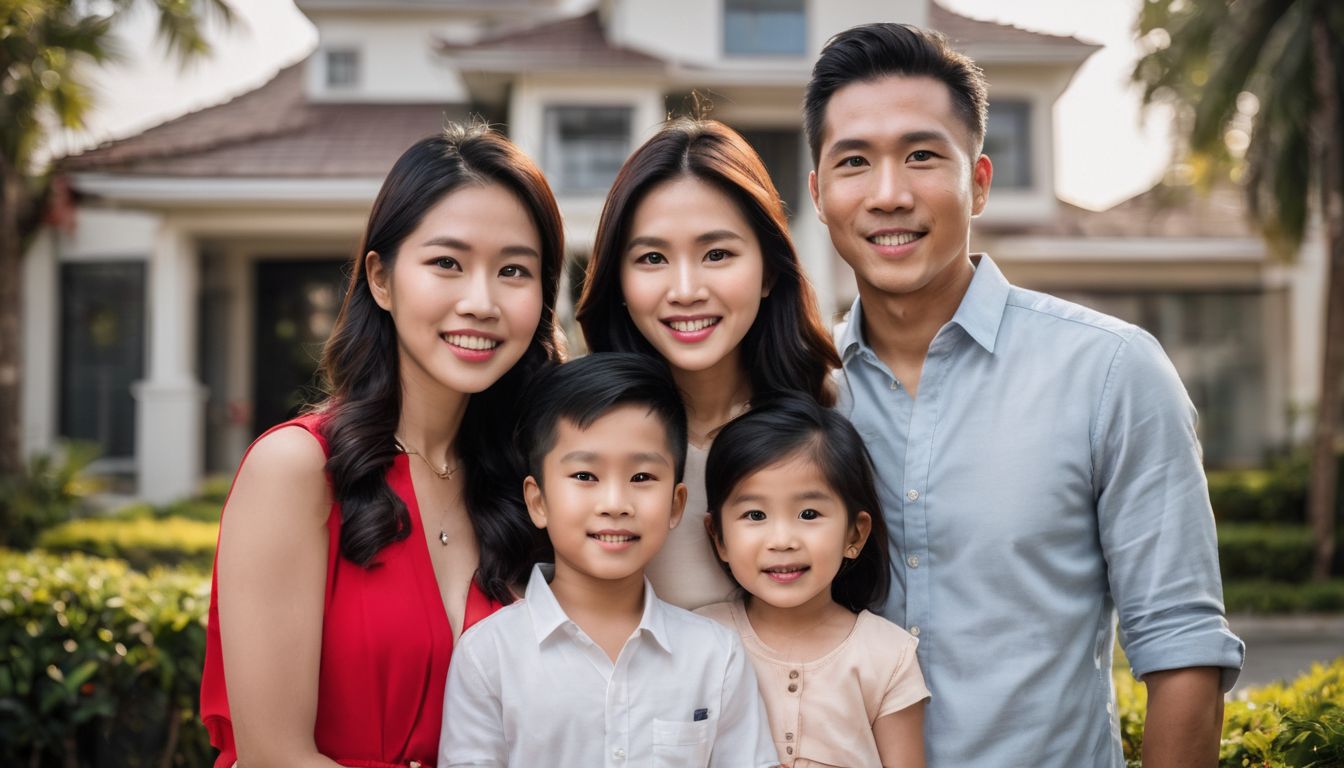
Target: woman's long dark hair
{"points": [[360, 366], [788, 347], [788, 426]]}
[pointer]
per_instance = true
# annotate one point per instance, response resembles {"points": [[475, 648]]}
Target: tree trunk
{"points": [[1324, 461], [12, 203]]}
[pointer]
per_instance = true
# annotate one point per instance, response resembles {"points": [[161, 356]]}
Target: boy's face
{"points": [[897, 183], [610, 494]]}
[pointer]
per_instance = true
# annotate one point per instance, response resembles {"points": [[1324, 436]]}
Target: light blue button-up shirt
{"points": [[1046, 477]]}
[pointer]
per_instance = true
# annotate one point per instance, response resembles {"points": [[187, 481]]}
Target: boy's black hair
{"points": [[584, 390], [871, 51], [785, 427]]}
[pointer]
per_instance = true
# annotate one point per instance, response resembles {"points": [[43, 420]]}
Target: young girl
{"points": [[792, 509], [693, 264]]}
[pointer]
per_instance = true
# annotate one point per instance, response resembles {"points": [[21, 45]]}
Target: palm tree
{"points": [[46, 47], [1210, 57]]}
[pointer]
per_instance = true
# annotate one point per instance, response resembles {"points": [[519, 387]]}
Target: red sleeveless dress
{"points": [[386, 642]]}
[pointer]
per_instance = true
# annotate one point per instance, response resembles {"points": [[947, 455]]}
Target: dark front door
{"points": [[297, 304]]}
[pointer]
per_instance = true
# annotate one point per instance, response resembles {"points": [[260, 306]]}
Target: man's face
{"points": [[897, 184]]}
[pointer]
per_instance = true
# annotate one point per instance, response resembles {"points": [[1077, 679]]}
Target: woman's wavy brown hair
{"points": [[360, 366], [787, 348]]}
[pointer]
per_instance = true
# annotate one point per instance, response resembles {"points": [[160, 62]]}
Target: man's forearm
{"points": [[1185, 718]]}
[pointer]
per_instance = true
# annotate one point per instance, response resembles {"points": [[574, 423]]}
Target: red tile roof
{"points": [[273, 131], [964, 31]]}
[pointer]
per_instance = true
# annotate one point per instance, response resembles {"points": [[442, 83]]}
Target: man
{"points": [[1037, 460]]}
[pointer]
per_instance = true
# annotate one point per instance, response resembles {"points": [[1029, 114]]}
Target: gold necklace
{"points": [[442, 473]]}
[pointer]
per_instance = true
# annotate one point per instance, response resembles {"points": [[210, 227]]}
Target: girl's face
{"points": [[464, 290], [784, 532], [692, 274]]}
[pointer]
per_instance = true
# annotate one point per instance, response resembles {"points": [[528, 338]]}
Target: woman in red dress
{"points": [[360, 540]]}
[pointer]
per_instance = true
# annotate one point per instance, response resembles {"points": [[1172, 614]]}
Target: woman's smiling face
{"points": [[464, 290], [692, 274]]}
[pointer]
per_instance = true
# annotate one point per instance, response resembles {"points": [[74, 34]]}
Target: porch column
{"points": [[170, 415]]}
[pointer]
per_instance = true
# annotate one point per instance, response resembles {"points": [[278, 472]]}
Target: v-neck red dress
{"points": [[386, 643]]}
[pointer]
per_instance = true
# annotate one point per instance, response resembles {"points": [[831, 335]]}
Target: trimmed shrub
{"points": [[1263, 551], [101, 665], [204, 510], [143, 542], [46, 493], [1295, 725], [1278, 597]]}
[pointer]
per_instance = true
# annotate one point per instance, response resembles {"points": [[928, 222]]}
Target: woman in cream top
{"points": [[693, 264]]}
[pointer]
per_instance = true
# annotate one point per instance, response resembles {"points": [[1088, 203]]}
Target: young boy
{"points": [[591, 668]]}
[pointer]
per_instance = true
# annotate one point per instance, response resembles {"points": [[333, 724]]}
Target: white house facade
{"points": [[184, 311]]}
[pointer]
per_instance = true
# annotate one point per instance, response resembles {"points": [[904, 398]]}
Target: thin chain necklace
{"points": [[443, 474]]}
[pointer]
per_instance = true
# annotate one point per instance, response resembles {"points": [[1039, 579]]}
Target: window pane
{"points": [[102, 353], [1216, 341], [764, 27], [780, 150], [1008, 143], [342, 69], [585, 146]]}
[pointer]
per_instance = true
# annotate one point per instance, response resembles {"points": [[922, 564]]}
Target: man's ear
{"points": [[815, 191], [380, 278], [536, 501], [982, 175]]}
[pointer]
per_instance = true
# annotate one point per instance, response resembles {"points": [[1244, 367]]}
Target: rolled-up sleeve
{"points": [[1155, 523]]}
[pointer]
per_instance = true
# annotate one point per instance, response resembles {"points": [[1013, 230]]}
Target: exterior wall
{"points": [[397, 58], [691, 31], [1040, 87]]}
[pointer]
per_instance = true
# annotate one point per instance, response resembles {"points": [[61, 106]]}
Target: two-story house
{"points": [[185, 311]]}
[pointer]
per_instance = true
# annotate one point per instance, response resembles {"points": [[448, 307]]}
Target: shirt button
{"points": [[912, 495], [914, 630], [788, 737], [793, 687], [793, 674], [788, 750], [912, 561], [895, 384], [618, 755]]}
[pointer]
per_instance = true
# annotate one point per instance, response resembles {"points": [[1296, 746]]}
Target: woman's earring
{"points": [[852, 552]]}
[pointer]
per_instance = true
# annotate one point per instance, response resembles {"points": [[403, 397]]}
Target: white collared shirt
{"points": [[527, 687]]}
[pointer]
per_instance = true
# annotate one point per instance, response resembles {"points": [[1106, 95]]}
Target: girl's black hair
{"points": [[788, 347], [788, 426], [362, 376]]}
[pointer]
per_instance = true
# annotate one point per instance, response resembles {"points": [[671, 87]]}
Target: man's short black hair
{"points": [[584, 390], [872, 51]]}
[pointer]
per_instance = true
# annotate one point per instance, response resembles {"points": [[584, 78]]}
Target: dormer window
{"points": [[342, 68], [764, 28], [1008, 143]]}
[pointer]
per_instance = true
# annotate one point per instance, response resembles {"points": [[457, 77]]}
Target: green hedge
{"points": [[1277, 597], [204, 510], [143, 542], [1264, 551], [1297, 725], [99, 664]]}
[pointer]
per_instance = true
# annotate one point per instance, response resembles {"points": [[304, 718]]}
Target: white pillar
{"points": [[41, 329], [170, 417], [1306, 321], [813, 242]]}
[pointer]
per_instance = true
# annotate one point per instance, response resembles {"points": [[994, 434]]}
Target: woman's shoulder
{"points": [[287, 465], [294, 446]]}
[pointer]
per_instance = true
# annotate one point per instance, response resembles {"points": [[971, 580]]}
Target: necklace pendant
{"points": [[443, 537]]}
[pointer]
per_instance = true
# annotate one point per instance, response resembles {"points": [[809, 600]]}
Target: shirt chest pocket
{"points": [[680, 744]]}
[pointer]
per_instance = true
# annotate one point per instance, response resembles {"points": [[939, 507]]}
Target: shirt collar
{"points": [[547, 615], [981, 310], [979, 314]]}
